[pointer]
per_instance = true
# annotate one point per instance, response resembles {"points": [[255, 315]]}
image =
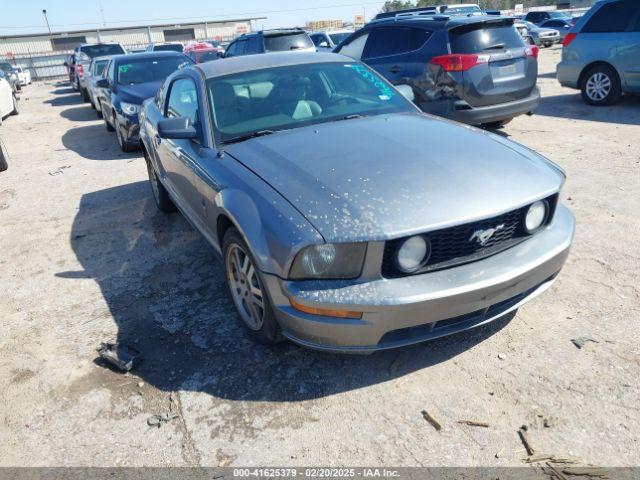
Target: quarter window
{"points": [[395, 40], [355, 48], [183, 100], [613, 17]]}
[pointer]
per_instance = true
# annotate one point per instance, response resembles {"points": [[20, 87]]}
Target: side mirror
{"points": [[406, 91], [176, 128], [102, 83]]}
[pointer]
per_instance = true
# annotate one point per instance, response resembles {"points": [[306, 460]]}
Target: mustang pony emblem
{"points": [[483, 236]]}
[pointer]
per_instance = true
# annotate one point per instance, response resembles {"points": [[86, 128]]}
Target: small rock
{"points": [[140, 384], [501, 356]]}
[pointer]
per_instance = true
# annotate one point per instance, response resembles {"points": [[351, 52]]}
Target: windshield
{"points": [[101, 50], [287, 41], [206, 56], [337, 38], [480, 37], [171, 47], [561, 15], [289, 97], [148, 69]]}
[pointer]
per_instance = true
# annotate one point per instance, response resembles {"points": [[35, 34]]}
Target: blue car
{"points": [[601, 54], [129, 80]]}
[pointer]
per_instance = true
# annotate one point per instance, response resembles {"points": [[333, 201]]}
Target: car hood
{"points": [[381, 177], [139, 92]]}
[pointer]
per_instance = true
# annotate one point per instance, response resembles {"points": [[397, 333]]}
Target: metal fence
{"points": [[51, 65]]}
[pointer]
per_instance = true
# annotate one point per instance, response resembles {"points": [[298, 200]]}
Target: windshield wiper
{"points": [[497, 46], [242, 138]]}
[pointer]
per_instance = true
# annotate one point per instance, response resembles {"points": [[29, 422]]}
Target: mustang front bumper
{"points": [[413, 309]]}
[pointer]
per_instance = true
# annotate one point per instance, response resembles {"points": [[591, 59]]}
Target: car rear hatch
{"points": [[500, 67]]}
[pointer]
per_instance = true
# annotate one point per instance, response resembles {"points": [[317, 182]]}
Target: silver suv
{"points": [[83, 54], [601, 52]]}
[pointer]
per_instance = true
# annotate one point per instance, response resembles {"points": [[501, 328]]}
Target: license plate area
{"points": [[507, 69]]}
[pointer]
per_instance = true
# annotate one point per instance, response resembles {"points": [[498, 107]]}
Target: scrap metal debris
{"points": [[59, 170], [473, 423], [120, 356], [159, 419], [427, 416], [581, 341], [585, 471], [525, 440]]}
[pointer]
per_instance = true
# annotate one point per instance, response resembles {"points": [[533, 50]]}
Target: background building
{"points": [[45, 54]]}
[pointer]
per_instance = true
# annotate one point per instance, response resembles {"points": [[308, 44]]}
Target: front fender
{"points": [[271, 227]]}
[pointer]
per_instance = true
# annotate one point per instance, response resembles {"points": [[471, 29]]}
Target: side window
{"points": [[183, 101], [316, 39], [612, 17], [231, 50], [355, 48], [111, 71], [241, 47], [252, 45], [395, 40]]}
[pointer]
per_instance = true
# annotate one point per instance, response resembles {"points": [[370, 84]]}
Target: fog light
{"points": [[413, 254], [536, 215]]}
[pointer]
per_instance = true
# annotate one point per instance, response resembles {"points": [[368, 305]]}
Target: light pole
{"points": [[44, 12]]}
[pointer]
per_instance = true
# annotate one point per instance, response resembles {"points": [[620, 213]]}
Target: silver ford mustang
{"points": [[346, 219]]}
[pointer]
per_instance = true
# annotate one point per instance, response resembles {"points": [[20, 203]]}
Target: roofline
{"points": [[132, 27]]}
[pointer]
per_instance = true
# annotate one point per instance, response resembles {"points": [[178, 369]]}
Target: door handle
{"points": [[395, 69]]}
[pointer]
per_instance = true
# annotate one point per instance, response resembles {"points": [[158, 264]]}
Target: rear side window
{"points": [[483, 37], [613, 17], [395, 40], [287, 41], [102, 50]]}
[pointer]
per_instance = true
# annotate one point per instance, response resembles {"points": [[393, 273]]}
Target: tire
{"points": [[497, 124], [601, 86], [3, 158], [85, 95], [125, 146], [16, 106], [107, 125], [98, 113], [254, 309], [160, 194]]}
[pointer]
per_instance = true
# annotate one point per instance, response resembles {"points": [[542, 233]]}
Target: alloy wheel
{"points": [[598, 86], [245, 286]]}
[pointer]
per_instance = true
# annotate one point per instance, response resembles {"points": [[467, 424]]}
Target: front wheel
{"points": [[105, 117], [3, 158], [16, 106], [601, 86], [247, 290]]}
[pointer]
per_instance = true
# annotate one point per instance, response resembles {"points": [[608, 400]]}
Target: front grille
{"points": [[455, 246]]}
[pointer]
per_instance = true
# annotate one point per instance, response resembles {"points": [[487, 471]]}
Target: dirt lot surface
{"points": [[86, 257]]}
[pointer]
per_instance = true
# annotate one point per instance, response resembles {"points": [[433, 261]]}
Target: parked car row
{"points": [[9, 105]]}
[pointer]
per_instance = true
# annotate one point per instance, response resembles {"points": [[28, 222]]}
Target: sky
{"points": [[25, 16]]}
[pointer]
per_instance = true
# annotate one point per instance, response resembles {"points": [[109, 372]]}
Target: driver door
{"points": [[179, 156]]}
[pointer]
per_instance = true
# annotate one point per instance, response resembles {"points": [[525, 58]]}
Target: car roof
{"points": [[438, 21], [147, 55], [246, 63]]}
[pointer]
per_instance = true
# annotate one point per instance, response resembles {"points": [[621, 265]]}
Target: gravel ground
{"points": [[87, 258]]}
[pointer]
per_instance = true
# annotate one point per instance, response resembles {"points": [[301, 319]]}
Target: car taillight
{"points": [[532, 51], [79, 70], [568, 39], [458, 62]]}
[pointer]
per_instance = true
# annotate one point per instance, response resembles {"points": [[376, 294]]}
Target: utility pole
{"points": [[104, 24]]}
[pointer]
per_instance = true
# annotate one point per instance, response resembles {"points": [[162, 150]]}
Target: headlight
{"points": [[329, 260], [536, 215], [129, 108], [413, 254]]}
